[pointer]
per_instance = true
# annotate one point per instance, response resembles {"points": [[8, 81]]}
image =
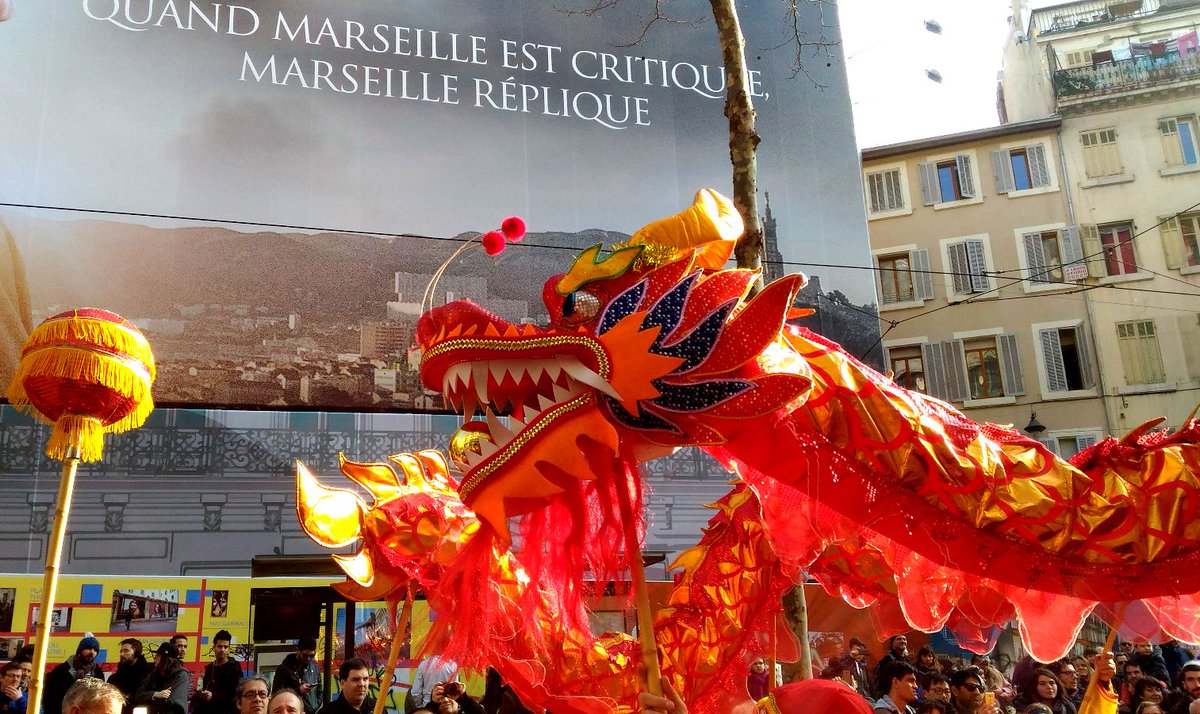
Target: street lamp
{"points": [[1034, 427]]}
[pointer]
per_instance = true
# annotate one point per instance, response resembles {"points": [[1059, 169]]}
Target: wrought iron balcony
{"points": [[1125, 75]]}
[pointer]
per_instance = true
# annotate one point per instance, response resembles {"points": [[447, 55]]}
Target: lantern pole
{"points": [[62, 508]]}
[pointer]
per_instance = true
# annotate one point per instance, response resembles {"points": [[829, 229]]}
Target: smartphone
{"points": [[989, 700]]}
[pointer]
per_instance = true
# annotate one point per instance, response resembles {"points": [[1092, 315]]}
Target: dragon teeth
{"points": [[500, 433], [579, 373]]}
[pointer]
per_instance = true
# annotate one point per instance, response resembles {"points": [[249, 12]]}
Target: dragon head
{"points": [[650, 347]]}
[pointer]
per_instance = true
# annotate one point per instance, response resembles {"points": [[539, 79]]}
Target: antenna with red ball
{"points": [[512, 229]]}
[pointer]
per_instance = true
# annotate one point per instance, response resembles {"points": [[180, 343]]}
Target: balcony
{"points": [[1071, 86]]}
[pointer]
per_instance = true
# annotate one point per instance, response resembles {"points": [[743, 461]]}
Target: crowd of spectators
{"points": [[1147, 679]]}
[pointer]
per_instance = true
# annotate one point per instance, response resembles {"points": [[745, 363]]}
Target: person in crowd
{"points": [[181, 645], [1147, 690], [132, 669], [24, 658], [901, 694], [221, 677], [252, 695], [165, 689], [1132, 672], [1083, 670], [299, 672], [81, 666], [286, 701], [12, 699], [1036, 708], [994, 680], [452, 698], [1044, 688], [967, 692], [1147, 656], [1189, 689], [429, 672], [1066, 673], [1149, 708], [938, 688], [926, 662], [897, 651], [934, 706], [856, 662], [354, 679], [92, 696], [835, 671], [758, 680]]}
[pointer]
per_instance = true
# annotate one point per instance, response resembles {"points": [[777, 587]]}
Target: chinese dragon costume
{"points": [[892, 499]]}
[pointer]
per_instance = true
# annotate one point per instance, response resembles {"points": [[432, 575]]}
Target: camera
{"points": [[454, 690]]}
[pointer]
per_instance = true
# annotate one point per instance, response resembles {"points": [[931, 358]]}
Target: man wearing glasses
{"points": [[299, 672], [966, 687], [252, 694]]}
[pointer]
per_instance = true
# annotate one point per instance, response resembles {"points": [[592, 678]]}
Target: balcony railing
{"points": [[1125, 75]]}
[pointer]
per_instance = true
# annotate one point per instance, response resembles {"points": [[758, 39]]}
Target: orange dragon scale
{"points": [[892, 499]]}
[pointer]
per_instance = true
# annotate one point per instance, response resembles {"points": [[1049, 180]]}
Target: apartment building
{"points": [[977, 260], [1125, 79]]}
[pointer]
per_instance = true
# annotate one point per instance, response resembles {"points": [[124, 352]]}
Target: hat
{"points": [[88, 643], [167, 649], [814, 695]]}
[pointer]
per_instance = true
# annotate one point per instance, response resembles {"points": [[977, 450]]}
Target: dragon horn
{"points": [[710, 227], [330, 516], [1191, 415]]}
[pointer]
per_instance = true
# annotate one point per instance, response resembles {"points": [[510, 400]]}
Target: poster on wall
{"points": [[267, 188]]}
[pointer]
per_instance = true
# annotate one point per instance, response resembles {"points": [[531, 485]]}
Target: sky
{"points": [[888, 50]]}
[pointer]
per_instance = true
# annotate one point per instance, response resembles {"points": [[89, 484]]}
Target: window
{"points": [[1020, 169], [1082, 58], [982, 367], [904, 276], [908, 367], [1100, 157], [1053, 255], [1117, 243], [968, 263], [947, 180], [1179, 140], [886, 191], [1140, 355], [1181, 240], [1067, 445], [1066, 360]]}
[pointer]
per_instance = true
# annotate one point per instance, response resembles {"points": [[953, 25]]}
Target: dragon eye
{"points": [[580, 306]]}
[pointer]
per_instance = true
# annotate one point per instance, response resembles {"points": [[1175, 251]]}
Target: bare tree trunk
{"points": [[795, 608], [743, 139]]}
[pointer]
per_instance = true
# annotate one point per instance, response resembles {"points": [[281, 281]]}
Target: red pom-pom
{"points": [[493, 242], [513, 228]]}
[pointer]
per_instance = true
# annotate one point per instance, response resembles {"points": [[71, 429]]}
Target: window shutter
{"points": [[966, 180], [1035, 258], [978, 261], [1011, 375], [1050, 443], [1093, 253], [1002, 171], [1074, 267], [1172, 240], [960, 268], [930, 193], [1084, 347], [887, 284], [1056, 374], [1083, 442], [935, 370], [956, 370], [922, 275], [1039, 170]]}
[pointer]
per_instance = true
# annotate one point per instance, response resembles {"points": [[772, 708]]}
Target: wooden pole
{"points": [[645, 617], [62, 509], [385, 685]]}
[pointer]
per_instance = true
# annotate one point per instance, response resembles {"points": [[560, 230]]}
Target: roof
{"points": [[1049, 123]]}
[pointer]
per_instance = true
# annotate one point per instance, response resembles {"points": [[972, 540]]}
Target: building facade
{"points": [[976, 261], [1125, 80]]}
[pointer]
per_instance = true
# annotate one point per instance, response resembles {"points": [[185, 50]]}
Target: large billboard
{"points": [[267, 187]]}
